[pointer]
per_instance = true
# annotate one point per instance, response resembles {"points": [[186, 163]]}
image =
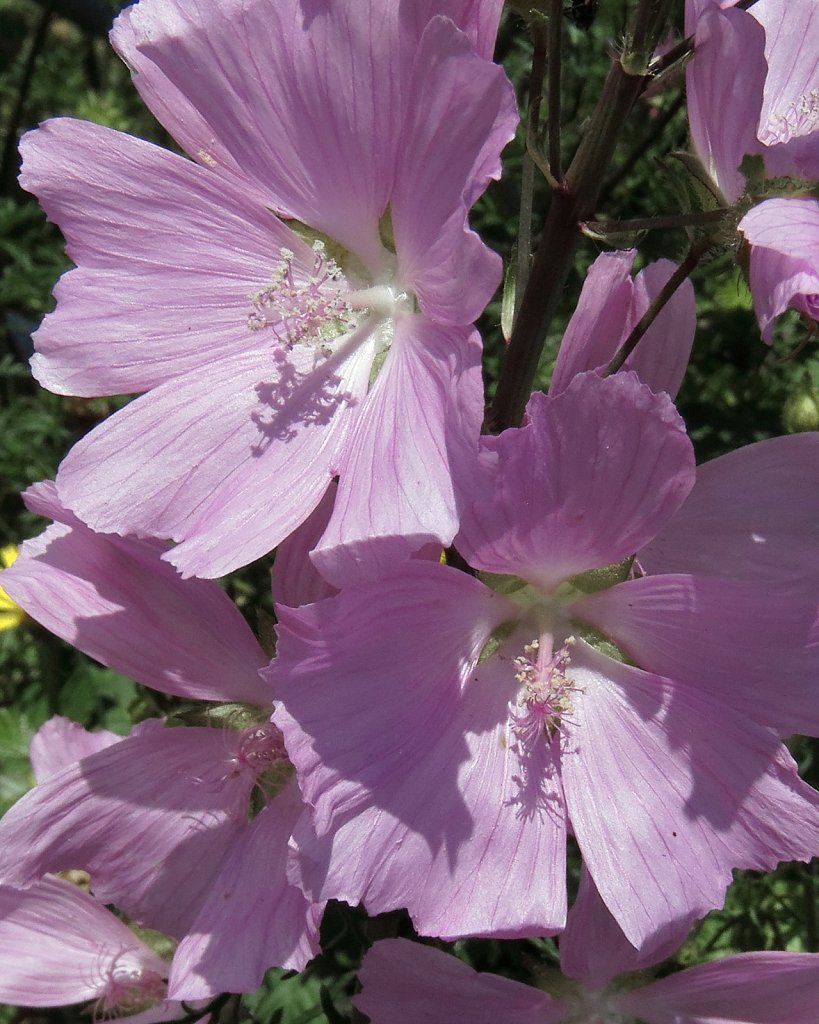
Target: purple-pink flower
{"points": [[448, 732], [753, 87], [59, 946], [596, 983], [254, 295], [166, 820]]}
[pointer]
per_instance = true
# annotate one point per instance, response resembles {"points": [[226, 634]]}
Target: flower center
{"points": [[798, 119], [303, 306], [545, 699], [130, 988], [261, 747], [314, 305]]}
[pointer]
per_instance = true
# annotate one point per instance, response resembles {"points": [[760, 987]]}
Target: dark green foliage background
{"points": [[734, 394]]}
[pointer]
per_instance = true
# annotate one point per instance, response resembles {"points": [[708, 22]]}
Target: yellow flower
{"points": [[11, 614]]}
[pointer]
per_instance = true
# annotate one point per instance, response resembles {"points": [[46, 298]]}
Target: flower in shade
{"points": [[417, 984], [11, 614], [166, 819], [59, 946], [297, 304], [449, 731], [783, 237]]}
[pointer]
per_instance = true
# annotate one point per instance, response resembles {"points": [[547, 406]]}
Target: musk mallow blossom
{"points": [[595, 984], [59, 946], [753, 87], [166, 819], [449, 731], [296, 305]]}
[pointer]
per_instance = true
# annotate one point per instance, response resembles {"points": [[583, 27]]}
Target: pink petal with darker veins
{"points": [[200, 458], [592, 476], [58, 946], [328, 81], [253, 918], [477, 18], [724, 83], [610, 306], [668, 790], [415, 436], [150, 818], [751, 988], [593, 948], [476, 860], [116, 600], [728, 638], [59, 742], [789, 121], [167, 256], [461, 114], [416, 984], [752, 514], [295, 580], [784, 239]]}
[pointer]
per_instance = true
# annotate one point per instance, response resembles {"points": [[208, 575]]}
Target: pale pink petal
{"points": [[593, 475], [486, 857], [295, 580], [724, 83], [610, 306], [405, 981], [594, 950], [595, 329], [789, 122], [730, 638], [473, 861], [253, 918], [461, 113], [661, 357], [175, 111], [168, 257], [59, 742], [150, 818], [228, 459], [752, 514], [58, 946], [784, 239], [477, 18], [303, 100], [117, 601], [694, 10], [751, 988], [417, 431], [668, 790]]}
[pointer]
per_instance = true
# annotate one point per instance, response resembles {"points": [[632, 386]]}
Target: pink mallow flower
{"points": [[448, 731], [297, 304], [783, 235], [59, 946], [417, 984], [162, 818], [753, 87]]}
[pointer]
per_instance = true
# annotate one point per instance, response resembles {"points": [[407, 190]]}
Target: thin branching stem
{"points": [[676, 220], [555, 41], [524, 247]]}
